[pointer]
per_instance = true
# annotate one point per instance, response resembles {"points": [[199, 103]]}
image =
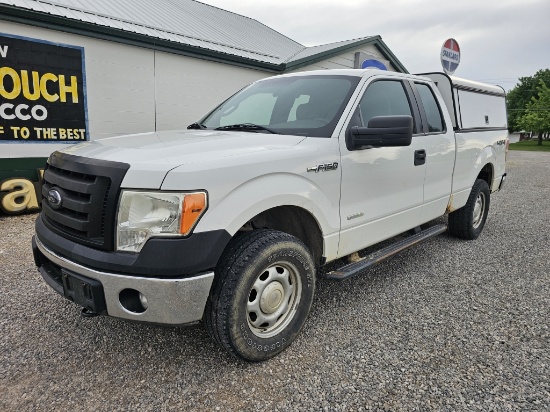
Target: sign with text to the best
{"points": [[42, 91]]}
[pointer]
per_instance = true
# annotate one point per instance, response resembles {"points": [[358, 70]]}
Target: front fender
{"points": [[259, 194], [242, 186]]}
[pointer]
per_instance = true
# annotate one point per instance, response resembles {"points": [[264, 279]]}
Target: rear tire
{"points": [[468, 221], [261, 296]]}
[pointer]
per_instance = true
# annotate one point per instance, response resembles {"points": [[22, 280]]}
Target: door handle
{"points": [[419, 157]]}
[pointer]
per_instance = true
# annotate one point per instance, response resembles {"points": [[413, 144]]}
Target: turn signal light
{"points": [[194, 205]]}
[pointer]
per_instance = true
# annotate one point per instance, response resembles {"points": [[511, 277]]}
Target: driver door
{"points": [[382, 188]]}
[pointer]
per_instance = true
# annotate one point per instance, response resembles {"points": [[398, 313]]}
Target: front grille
{"points": [[79, 213], [89, 191]]}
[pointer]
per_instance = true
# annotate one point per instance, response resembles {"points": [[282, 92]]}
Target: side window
{"points": [[435, 120], [384, 98]]}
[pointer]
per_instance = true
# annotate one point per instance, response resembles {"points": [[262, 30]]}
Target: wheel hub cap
{"points": [[272, 297], [478, 210]]}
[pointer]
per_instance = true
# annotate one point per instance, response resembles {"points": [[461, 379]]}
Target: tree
{"points": [[537, 112], [519, 97]]}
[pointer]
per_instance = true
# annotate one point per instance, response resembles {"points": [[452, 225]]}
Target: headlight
{"points": [[142, 215]]}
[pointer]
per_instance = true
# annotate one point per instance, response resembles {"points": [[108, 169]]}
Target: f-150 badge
{"points": [[325, 167]]}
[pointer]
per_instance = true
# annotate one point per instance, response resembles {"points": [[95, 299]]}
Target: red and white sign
{"points": [[450, 56]]}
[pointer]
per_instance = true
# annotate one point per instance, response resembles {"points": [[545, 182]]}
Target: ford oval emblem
{"points": [[54, 198]]}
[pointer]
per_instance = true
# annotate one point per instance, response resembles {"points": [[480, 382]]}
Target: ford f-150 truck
{"points": [[229, 221]]}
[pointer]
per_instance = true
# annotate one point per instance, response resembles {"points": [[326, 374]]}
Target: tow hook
{"points": [[87, 313]]}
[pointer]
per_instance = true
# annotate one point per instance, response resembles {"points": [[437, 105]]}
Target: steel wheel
{"points": [[261, 295], [468, 221], [479, 210], [273, 299]]}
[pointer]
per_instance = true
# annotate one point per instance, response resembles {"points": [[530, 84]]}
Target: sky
{"points": [[500, 40]]}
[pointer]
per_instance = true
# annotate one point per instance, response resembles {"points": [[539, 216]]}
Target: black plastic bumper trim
{"points": [[49, 279], [158, 258]]}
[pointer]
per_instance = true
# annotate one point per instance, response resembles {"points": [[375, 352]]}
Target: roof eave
{"points": [[375, 40], [49, 21]]}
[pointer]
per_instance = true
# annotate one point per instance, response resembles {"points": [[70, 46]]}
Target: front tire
{"points": [[468, 221], [262, 294]]}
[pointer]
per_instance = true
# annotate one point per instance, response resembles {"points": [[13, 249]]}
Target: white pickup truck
{"points": [[229, 222]]}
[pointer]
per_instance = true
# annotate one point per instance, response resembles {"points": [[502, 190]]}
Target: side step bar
{"points": [[385, 253]]}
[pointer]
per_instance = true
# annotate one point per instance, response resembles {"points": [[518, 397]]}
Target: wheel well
{"points": [[486, 174], [295, 221]]}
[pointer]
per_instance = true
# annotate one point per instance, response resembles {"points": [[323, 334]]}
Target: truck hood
{"points": [[152, 155]]}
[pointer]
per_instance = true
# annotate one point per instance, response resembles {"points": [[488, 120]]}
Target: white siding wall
{"points": [[188, 88], [120, 88], [347, 60]]}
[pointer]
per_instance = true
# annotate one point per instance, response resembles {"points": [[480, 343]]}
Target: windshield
{"points": [[301, 105]]}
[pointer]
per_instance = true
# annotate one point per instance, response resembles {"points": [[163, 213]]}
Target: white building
{"points": [[74, 70]]}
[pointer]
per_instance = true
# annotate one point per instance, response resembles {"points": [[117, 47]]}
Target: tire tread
{"points": [[460, 221], [233, 261]]}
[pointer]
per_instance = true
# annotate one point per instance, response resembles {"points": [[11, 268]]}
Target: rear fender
{"points": [[487, 156]]}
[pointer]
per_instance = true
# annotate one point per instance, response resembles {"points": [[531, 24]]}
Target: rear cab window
{"points": [[434, 117]]}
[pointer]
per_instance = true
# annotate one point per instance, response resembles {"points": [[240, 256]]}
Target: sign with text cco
{"points": [[42, 92]]}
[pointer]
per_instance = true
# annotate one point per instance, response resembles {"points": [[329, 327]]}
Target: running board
{"points": [[384, 253]]}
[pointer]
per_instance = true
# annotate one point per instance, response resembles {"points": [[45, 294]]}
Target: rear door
{"points": [[382, 189], [440, 150]]}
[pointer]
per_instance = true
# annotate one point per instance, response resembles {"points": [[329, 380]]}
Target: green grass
{"points": [[531, 145]]}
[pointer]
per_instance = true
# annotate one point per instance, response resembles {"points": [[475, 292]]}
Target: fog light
{"points": [[143, 301], [132, 300]]}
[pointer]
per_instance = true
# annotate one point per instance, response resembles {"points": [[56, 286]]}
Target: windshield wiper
{"points": [[246, 127], [196, 126]]}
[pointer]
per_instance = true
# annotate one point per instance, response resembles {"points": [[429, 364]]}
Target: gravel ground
{"points": [[448, 325]]}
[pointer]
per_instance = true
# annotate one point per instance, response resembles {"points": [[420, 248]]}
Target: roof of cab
{"points": [[346, 72]]}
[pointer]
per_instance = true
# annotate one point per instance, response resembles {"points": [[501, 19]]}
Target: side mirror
{"points": [[382, 131]]}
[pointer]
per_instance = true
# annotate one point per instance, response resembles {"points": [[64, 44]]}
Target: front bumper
{"points": [[160, 257], [170, 301]]}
